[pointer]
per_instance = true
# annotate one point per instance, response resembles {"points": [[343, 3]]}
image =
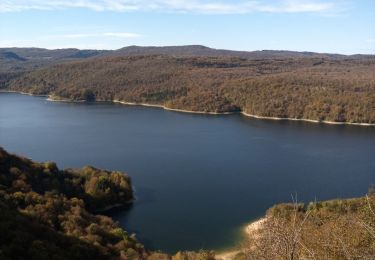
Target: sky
{"points": [[333, 26]]}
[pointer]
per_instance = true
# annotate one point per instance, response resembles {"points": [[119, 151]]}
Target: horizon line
{"points": [[186, 45]]}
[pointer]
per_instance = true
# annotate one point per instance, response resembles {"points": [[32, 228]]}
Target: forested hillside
{"points": [[17, 61], [317, 88], [26, 59], [47, 213]]}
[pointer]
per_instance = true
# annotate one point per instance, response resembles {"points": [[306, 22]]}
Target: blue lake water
{"points": [[198, 178]]}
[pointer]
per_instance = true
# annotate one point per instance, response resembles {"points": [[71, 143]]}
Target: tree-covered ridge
{"points": [[331, 89], [97, 188], [46, 213]]}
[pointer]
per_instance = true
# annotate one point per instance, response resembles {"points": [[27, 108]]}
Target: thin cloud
{"points": [[183, 6], [122, 34], [106, 34], [299, 6]]}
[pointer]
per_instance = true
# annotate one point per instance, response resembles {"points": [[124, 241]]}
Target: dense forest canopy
{"points": [[340, 90], [302, 85], [47, 213]]}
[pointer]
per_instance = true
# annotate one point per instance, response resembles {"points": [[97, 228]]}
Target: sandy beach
{"points": [[227, 255], [251, 230]]}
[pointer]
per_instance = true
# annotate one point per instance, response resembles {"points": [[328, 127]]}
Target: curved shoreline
{"points": [[242, 113], [304, 120], [57, 99], [250, 229]]}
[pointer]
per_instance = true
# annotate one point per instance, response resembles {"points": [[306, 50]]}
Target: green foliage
{"points": [[22, 237], [46, 213]]}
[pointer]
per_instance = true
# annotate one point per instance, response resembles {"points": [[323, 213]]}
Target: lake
{"points": [[198, 178]]}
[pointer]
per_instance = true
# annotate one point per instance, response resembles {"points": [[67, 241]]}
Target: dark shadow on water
{"points": [[120, 215], [142, 195], [145, 195], [121, 209]]}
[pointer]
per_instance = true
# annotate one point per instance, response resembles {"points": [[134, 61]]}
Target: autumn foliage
{"points": [[332, 89]]}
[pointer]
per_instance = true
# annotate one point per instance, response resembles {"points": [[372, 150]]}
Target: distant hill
{"points": [[16, 60], [40, 54], [36, 54], [268, 83], [200, 50], [321, 89], [8, 55]]}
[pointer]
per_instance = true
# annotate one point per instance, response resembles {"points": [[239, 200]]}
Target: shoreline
{"points": [[304, 120], [56, 99], [171, 109], [250, 229], [108, 208], [22, 93]]}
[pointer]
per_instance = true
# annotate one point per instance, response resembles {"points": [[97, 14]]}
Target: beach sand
{"points": [[251, 230]]}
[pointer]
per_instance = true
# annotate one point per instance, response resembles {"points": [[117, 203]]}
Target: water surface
{"points": [[198, 178]]}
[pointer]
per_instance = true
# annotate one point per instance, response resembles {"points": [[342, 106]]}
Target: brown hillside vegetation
{"points": [[335, 229], [340, 90]]}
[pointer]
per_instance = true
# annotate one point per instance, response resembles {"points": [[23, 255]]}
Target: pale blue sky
{"points": [[335, 26]]}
